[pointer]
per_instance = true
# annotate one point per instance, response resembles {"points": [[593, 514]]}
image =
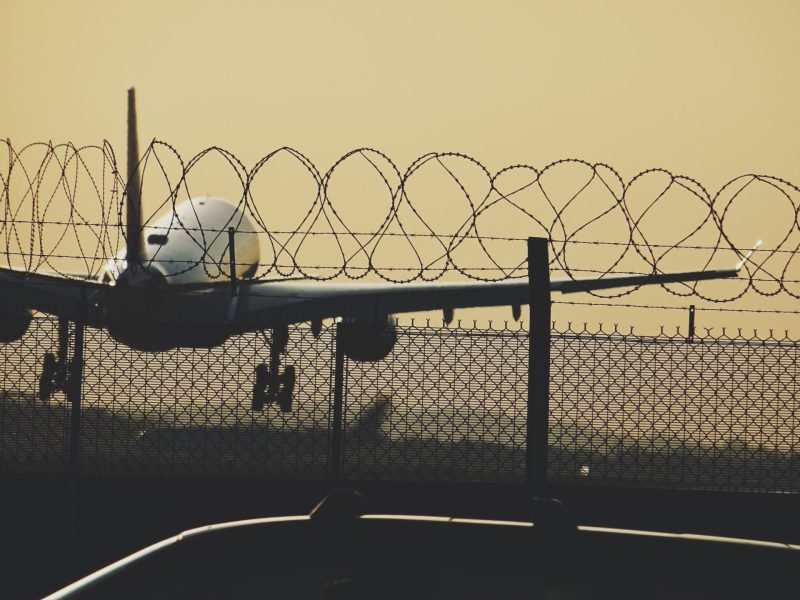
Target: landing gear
{"points": [[270, 386], [55, 368]]}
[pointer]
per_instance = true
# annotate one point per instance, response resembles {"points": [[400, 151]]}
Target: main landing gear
{"points": [[55, 375], [270, 387]]}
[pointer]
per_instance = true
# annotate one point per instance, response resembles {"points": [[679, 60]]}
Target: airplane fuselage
{"points": [[187, 248], [190, 245]]}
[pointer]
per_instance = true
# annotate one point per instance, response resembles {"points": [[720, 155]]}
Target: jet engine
{"points": [[367, 340], [14, 322]]}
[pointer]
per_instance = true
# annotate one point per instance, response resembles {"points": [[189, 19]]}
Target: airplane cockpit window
{"points": [[157, 239]]}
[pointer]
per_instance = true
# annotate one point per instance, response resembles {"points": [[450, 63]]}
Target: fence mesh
{"points": [[34, 436], [448, 404], [187, 412], [712, 414]]}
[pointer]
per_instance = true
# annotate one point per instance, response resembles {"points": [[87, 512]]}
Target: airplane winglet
{"points": [[747, 256]]}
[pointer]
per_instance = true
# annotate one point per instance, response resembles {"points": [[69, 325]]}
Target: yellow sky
{"points": [[703, 88]]}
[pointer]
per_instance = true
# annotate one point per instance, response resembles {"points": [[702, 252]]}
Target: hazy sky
{"points": [[703, 88]]}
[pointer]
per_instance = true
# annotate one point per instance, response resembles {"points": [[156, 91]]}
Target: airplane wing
{"points": [[290, 301], [262, 303], [51, 294]]}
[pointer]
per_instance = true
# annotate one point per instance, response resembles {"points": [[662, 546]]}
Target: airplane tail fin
{"points": [[368, 424], [133, 215]]}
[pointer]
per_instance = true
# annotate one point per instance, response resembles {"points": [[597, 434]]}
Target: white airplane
{"points": [[166, 298]]}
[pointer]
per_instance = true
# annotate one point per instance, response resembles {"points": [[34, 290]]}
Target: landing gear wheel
{"points": [[47, 384], [269, 386], [287, 389], [260, 396]]}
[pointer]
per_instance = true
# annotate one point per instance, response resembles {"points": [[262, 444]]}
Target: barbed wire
{"points": [[445, 214]]}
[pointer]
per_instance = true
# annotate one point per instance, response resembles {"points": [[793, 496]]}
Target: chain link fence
{"points": [[448, 404], [711, 414]]}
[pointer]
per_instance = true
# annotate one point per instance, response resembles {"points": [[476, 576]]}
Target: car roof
{"points": [[337, 531]]}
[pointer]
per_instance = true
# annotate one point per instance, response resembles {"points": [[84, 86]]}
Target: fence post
{"points": [[538, 365], [690, 336], [74, 391], [232, 259], [338, 407]]}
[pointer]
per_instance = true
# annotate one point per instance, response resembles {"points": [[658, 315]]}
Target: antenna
{"points": [[133, 216]]}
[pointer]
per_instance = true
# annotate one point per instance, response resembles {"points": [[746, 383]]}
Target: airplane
{"points": [[157, 293]]}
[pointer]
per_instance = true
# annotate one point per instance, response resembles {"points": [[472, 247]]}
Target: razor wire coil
{"points": [[55, 196]]}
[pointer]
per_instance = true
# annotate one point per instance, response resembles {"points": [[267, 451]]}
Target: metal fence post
{"points": [[232, 259], [74, 391], [538, 365], [338, 408]]}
